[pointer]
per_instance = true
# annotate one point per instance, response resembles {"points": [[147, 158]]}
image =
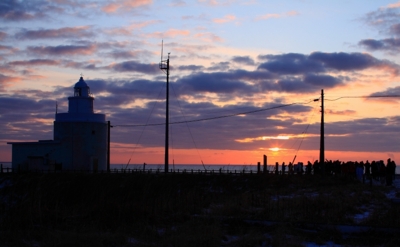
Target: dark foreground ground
{"points": [[195, 210]]}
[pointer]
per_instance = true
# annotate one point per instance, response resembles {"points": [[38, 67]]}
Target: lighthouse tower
{"points": [[82, 133]]}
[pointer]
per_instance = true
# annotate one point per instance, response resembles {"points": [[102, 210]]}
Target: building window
{"points": [[78, 92]]}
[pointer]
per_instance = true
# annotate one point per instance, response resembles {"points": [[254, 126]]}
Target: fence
{"points": [[127, 171]]}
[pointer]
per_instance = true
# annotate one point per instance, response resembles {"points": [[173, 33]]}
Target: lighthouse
{"points": [[79, 143]]}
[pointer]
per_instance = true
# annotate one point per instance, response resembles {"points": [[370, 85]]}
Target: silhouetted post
{"points": [[265, 164], [164, 66], [108, 146], [258, 168], [322, 141]]}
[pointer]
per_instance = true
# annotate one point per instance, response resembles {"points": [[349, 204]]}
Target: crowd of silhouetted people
{"points": [[374, 170]]}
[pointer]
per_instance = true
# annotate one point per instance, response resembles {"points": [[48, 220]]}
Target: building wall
{"points": [[85, 145], [35, 156]]}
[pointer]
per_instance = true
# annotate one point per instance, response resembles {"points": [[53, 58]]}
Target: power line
{"points": [[370, 96], [255, 111], [217, 117]]}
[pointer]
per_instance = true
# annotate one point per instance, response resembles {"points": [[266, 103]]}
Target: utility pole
{"points": [[109, 126], [322, 138], [164, 66]]}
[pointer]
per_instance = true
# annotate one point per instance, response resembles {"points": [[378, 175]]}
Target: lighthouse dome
{"points": [[81, 89], [81, 83]]}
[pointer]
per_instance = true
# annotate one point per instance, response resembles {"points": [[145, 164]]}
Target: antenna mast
{"points": [[164, 66]]}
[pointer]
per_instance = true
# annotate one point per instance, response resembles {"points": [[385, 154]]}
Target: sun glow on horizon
{"points": [[275, 149]]}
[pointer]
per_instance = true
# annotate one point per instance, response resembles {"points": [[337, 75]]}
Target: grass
{"points": [[190, 210]]}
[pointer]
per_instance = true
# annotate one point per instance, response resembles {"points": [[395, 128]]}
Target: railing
{"points": [[148, 171]]}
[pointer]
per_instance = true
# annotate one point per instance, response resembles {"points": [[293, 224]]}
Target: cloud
{"points": [[346, 61], [35, 62], [133, 66], [318, 62], [291, 63], [7, 80], [215, 3], [275, 16], [225, 19], [63, 50], [8, 49], [382, 18], [323, 81], [392, 45], [3, 35], [126, 54], [391, 91], [306, 84], [208, 37], [172, 33], [177, 3], [124, 5], [12, 10], [221, 66], [127, 31], [394, 5], [191, 67], [219, 82], [60, 33], [341, 113], [246, 60]]}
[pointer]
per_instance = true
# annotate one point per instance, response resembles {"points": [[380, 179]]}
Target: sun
{"points": [[275, 149]]}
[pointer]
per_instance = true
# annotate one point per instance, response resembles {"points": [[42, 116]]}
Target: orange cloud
{"points": [[394, 5], [208, 37], [8, 80], [227, 18], [345, 112], [125, 5], [126, 31]]}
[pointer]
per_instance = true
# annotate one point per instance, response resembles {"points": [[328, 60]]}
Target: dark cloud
{"points": [[364, 135], [372, 44], [34, 62], [221, 66], [383, 17], [191, 67], [8, 48], [346, 61], [395, 29], [62, 50], [219, 82], [386, 20], [295, 85], [319, 62], [391, 95], [22, 115], [3, 35], [391, 44], [60, 33], [134, 66], [291, 63], [323, 81], [14, 10], [123, 54], [246, 60]]}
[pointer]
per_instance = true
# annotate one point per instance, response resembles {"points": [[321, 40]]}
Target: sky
{"points": [[245, 76]]}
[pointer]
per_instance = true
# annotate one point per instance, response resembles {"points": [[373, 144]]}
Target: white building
{"points": [[80, 139]]}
